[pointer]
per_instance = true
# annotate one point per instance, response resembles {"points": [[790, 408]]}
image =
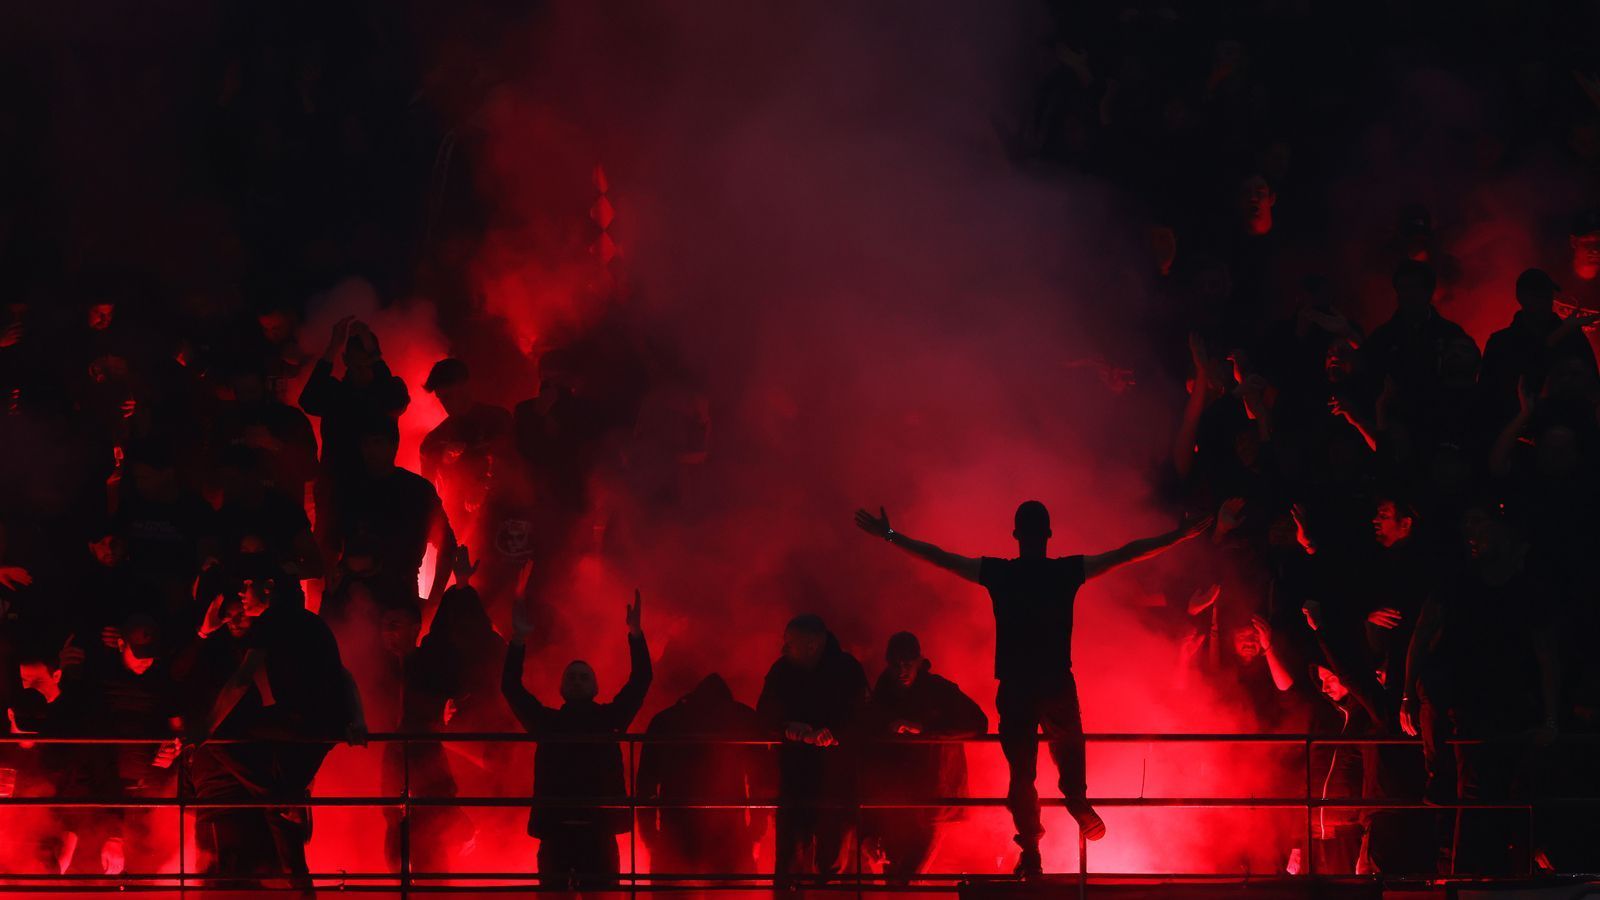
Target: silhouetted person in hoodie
{"points": [[578, 847], [368, 391], [705, 840], [1033, 597], [909, 702], [814, 696]]}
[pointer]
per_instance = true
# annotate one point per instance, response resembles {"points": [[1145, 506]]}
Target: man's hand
{"points": [[1385, 617], [462, 565], [167, 754], [1263, 631], [1191, 644], [876, 526], [905, 726], [113, 860], [1301, 535], [212, 623], [635, 627], [71, 656], [823, 737], [1410, 716], [1312, 610], [111, 637], [340, 335], [1202, 598], [14, 577], [799, 732], [1195, 528]]}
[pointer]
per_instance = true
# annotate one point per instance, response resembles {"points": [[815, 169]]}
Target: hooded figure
{"points": [[704, 840], [908, 702], [814, 697]]}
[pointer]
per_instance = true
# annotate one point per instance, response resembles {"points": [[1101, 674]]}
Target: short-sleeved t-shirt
{"points": [[1033, 601]]}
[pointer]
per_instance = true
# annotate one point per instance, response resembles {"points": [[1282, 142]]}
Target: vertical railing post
{"points": [[177, 791], [1083, 865], [633, 818], [405, 815], [1308, 863]]}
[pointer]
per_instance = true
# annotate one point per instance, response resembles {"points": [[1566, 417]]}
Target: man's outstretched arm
{"points": [[878, 526], [1134, 551]]}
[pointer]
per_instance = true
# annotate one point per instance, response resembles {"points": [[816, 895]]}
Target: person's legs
{"points": [[908, 839], [834, 830], [597, 860], [1063, 727], [1019, 741], [295, 765]]}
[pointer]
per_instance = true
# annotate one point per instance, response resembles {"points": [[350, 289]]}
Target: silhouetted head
{"points": [[380, 441], [578, 683], [448, 380], [1536, 291], [1486, 530], [1031, 528], [1413, 285], [400, 626], [904, 656], [804, 639]]}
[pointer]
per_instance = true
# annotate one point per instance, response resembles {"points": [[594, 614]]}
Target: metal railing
{"points": [[633, 881]]}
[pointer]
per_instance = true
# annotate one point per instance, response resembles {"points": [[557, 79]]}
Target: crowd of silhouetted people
{"points": [[207, 546]]}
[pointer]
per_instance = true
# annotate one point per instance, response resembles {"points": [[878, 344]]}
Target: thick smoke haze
{"points": [[820, 226]]}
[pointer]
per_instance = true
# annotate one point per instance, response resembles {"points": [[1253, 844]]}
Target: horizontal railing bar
{"points": [[1298, 740], [613, 803]]}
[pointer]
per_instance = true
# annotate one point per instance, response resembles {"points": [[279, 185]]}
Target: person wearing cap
{"points": [[1524, 351], [910, 702], [1033, 597]]}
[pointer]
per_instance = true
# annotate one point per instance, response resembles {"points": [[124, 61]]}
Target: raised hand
{"points": [[877, 526], [522, 618], [70, 655], [1385, 617], [14, 577], [213, 621], [1301, 535], [1312, 610], [1196, 527], [635, 627], [1263, 631], [462, 565], [340, 335]]}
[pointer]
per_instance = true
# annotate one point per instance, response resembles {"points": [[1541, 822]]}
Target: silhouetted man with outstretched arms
{"points": [[1033, 596]]}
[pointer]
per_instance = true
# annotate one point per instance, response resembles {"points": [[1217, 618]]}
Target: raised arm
{"points": [[628, 700], [529, 711], [1142, 549], [878, 526]]}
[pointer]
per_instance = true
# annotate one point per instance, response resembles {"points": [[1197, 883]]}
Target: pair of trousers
{"points": [[1025, 708]]}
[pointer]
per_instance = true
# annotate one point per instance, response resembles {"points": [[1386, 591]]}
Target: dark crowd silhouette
{"points": [[205, 537]]}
